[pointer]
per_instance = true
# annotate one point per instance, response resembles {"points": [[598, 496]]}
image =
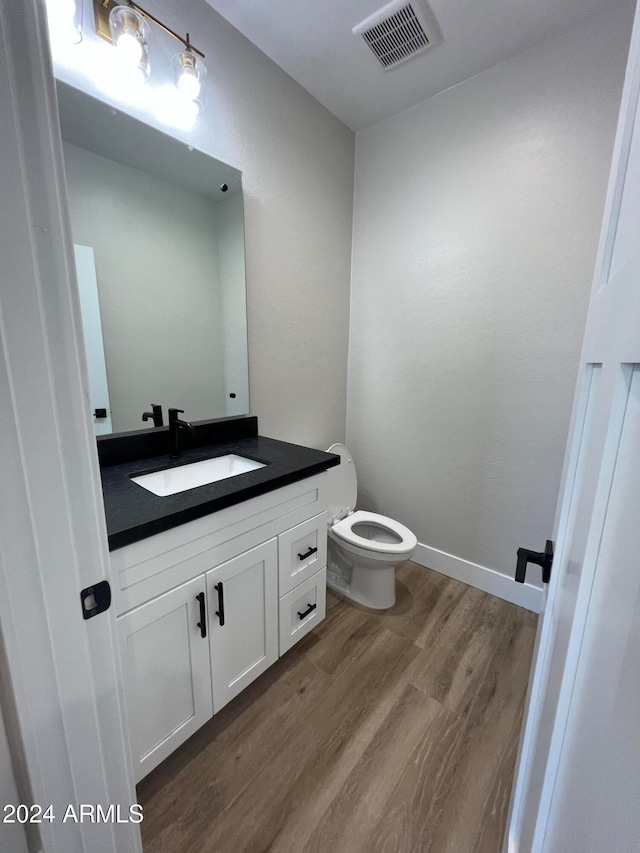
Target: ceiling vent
{"points": [[394, 33]]}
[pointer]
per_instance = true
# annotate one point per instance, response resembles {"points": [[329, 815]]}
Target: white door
{"points": [[60, 669], [165, 658], [93, 342], [577, 784], [242, 595]]}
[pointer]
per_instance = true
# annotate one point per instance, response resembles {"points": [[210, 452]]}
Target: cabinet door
{"points": [[242, 597], [166, 673]]}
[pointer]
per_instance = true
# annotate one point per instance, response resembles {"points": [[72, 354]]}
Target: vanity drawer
{"points": [[302, 551], [302, 609]]}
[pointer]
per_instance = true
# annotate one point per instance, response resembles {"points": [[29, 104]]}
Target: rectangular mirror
{"points": [[158, 232]]}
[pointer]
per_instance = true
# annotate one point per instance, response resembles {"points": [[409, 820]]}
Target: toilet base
{"points": [[371, 587]]}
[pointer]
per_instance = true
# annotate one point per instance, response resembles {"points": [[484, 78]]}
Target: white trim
{"points": [[488, 580]]}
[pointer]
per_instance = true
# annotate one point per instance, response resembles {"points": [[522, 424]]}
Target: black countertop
{"points": [[133, 513]]}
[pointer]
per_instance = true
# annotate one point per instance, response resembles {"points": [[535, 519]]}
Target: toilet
{"points": [[364, 548]]}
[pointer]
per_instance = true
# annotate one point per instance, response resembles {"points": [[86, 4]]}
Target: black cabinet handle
{"points": [[202, 624], [220, 610], [309, 610], [540, 558], [307, 554]]}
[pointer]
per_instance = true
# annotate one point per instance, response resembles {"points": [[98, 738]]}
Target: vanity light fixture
{"points": [[189, 73], [126, 26], [130, 35]]}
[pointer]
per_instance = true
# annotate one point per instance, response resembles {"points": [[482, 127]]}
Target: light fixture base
{"points": [[102, 10]]}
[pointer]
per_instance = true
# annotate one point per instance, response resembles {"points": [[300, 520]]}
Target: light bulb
{"points": [[65, 22], [129, 47], [188, 85], [189, 109], [189, 74], [130, 35]]}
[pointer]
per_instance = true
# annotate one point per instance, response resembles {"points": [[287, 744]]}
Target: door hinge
{"points": [[95, 599]]}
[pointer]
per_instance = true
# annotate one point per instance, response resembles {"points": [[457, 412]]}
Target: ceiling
{"points": [[312, 41]]}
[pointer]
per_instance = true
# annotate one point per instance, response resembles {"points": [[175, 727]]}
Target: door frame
{"points": [[629, 105], [62, 671]]}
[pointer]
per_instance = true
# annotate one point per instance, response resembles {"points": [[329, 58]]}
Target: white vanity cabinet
{"points": [[166, 673], [242, 596], [206, 607], [302, 561]]}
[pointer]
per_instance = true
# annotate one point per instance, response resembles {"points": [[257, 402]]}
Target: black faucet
{"points": [[155, 415], [175, 425]]}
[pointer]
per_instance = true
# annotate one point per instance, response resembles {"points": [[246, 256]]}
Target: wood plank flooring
{"points": [[393, 731]]}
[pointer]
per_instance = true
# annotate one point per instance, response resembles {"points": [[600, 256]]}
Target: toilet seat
{"points": [[343, 530]]}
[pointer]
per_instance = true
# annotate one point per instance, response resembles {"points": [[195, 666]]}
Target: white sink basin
{"points": [[184, 477]]}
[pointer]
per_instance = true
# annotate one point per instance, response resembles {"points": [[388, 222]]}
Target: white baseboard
{"points": [[488, 580]]}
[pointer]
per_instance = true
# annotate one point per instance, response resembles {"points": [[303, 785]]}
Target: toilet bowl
{"points": [[364, 548]]}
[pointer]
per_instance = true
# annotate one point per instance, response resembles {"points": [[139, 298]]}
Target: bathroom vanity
{"points": [[213, 584], [212, 581]]}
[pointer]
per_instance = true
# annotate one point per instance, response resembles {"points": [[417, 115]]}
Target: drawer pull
{"points": [[202, 624], [310, 608], [220, 610], [307, 554]]}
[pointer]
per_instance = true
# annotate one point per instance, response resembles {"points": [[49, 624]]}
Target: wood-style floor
{"points": [[393, 731]]}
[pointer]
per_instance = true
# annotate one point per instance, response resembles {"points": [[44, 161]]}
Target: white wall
{"points": [[297, 163], [476, 223]]}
